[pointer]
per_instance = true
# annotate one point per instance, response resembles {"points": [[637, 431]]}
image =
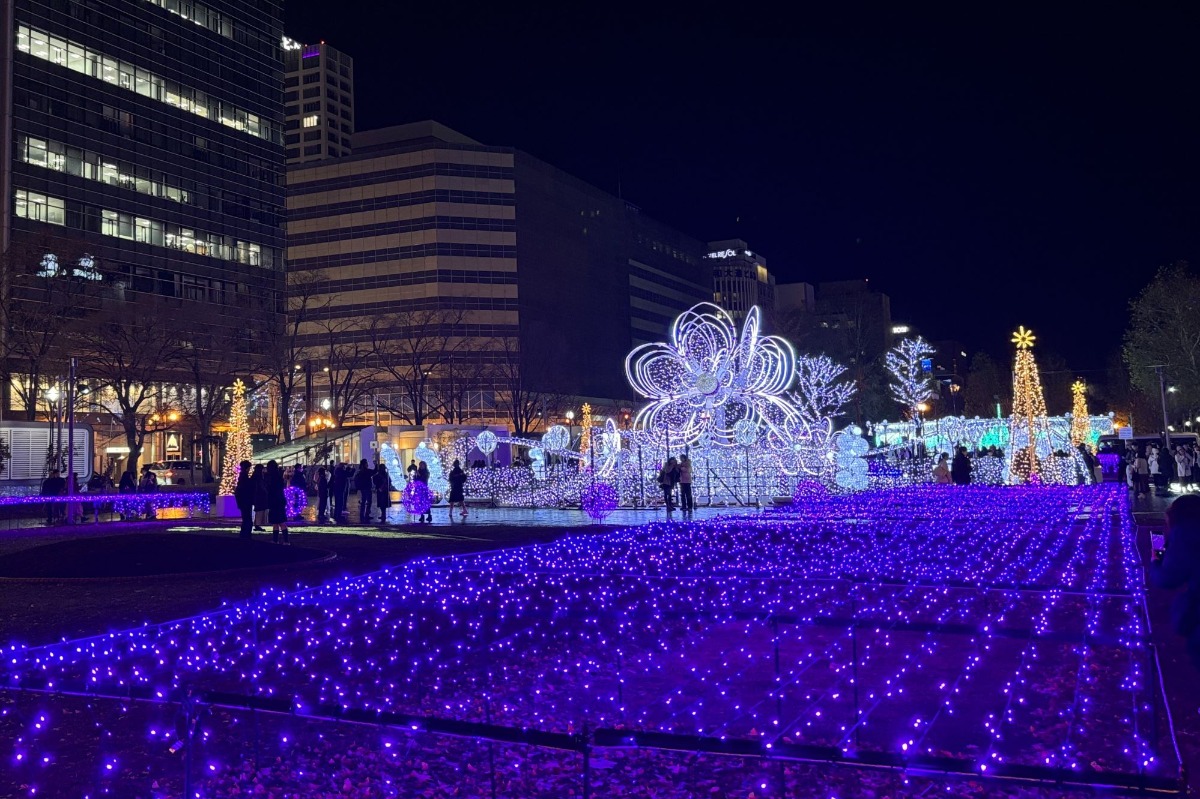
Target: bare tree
{"points": [[414, 349], [211, 357], [349, 356], [284, 352], [128, 356], [52, 285], [522, 382]]}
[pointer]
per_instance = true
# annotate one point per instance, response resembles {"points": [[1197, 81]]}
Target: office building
{"points": [[740, 279], [147, 134], [856, 305], [318, 96], [795, 298], [516, 255]]}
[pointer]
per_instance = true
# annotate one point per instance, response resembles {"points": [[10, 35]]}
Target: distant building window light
{"points": [[58, 157], [900, 330], [312, 121], [311, 51], [92, 63], [201, 15], [52, 210]]}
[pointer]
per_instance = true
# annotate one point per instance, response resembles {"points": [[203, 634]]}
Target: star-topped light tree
{"points": [[238, 447], [1081, 425], [1029, 410]]}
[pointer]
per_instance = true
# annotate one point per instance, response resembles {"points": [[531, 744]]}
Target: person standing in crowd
{"points": [[687, 502], [667, 478], [458, 495], [128, 484], [338, 487], [149, 482], [1141, 474], [383, 490], [422, 476], [148, 485], [1183, 465], [243, 495], [411, 471], [1178, 565], [53, 486], [941, 472], [1152, 464], [259, 478], [364, 484], [960, 468], [276, 502], [322, 495], [299, 479]]}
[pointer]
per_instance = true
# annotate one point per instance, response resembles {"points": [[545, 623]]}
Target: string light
{"points": [[1029, 426], [973, 629], [1081, 429], [238, 446], [911, 385]]}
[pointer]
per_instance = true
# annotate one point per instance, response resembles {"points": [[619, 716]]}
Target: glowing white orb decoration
{"points": [[710, 377], [556, 438], [486, 442], [745, 432], [850, 465]]}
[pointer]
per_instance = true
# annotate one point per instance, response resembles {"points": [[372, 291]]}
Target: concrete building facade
{"points": [[318, 101], [514, 257], [740, 278]]}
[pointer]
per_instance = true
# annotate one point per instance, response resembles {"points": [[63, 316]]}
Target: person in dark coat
{"points": [[383, 490], [243, 494], [960, 468], [299, 478], [259, 478], [458, 496], [322, 494], [338, 487], [276, 502], [1178, 566], [364, 485], [128, 484], [53, 486]]}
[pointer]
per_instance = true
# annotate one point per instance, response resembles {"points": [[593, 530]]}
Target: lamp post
{"points": [[55, 455]]}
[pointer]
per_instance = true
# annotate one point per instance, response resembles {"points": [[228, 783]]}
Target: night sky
{"points": [[984, 170]]}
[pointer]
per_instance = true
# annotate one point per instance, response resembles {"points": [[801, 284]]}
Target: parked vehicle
{"points": [[176, 473]]}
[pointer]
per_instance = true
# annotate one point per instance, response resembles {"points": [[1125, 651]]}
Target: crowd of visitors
{"points": [[1154, 466]]}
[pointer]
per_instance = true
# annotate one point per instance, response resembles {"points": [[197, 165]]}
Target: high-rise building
{"points": [[148, 134], [318, 95], [490, 251], [740, 278]]}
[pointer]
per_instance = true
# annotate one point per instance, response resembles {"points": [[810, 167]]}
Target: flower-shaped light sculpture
{"points": [[803, 448], [710, 376]]}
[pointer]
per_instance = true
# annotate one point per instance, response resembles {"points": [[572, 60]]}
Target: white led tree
{"points": [[818, 392], [911, 386]]}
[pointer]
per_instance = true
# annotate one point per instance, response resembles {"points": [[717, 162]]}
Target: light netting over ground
{"points": [[983, 632]]}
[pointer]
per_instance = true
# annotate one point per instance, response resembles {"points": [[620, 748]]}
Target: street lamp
{"points": [[53, 395]]}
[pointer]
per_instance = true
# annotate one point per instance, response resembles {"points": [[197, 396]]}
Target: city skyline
{"points": [[904, 151]]}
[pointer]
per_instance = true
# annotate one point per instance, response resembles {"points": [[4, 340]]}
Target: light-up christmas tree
{"points": [[1029, 411], [237, 444], [1081, 425], [585, 438]]}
